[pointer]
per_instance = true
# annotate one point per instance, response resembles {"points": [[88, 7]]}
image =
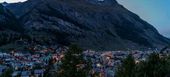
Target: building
{"points": [[25, 73], [2, 69], [39, 73]]}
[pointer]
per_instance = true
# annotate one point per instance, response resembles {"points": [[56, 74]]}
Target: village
{"points": [[35, 63], [29, 64]]}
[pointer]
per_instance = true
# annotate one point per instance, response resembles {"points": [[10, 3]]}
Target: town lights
{"points": [[99, 65], [137, 61], [108, 58]]}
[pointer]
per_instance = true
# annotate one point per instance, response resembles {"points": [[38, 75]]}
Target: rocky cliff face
{"points": [[100, 25]]}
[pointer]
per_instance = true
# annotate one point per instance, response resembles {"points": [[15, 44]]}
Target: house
{"points": [[16, 73], [25, 73], [39, 73], [17, 66], [2, 69]]}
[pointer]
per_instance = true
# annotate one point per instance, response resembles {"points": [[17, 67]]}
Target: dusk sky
{"points": [[156, 12]]}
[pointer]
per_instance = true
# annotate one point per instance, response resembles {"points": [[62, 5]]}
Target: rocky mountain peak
{"points": [[4, 3], [92, 24]]}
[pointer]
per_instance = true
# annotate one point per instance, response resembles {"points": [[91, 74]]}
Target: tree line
{"points": [[154, 66]]}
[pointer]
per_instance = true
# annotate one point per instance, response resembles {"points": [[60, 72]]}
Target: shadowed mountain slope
{"points": [[92, 24]]}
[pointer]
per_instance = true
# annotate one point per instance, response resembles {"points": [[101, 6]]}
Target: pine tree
{"points": [[127, 68], [154, 67], [73, 64]]}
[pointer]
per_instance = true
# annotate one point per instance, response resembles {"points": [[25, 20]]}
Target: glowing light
{"points": [[99, 65]]}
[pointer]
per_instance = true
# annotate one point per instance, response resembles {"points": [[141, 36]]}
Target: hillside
{"points": [[99, 25], [9, 27]]}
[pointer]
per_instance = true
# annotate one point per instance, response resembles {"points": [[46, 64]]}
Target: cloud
{"points": [[12, 1]]}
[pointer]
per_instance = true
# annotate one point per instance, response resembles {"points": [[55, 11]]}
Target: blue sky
{"points": [[156, 12]]}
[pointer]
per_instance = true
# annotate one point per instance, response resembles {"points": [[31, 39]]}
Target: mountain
{"points": [[4, 3], [92, 24], [9, 26]]}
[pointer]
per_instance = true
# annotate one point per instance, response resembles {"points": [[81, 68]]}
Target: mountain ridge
{"points": [[92, 26]]}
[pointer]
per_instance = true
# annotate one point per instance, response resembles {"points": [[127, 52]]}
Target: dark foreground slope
{"points": [[88, 23]]}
